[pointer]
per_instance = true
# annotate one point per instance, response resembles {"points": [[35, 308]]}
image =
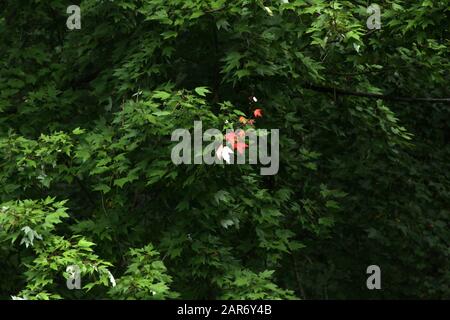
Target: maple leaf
{"points": [[230, 137], [224, 153], [242, 120], [219, 152], [240, 147], [258, 113]]}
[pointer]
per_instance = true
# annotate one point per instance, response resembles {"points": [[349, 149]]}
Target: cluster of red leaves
{"points": [[237, 141], [258, 113]]}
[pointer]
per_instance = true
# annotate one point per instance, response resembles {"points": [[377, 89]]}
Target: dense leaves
{"points": [[86, 177]]}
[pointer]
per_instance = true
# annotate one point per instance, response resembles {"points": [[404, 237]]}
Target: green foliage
{"points": [[86, 177], [145, 277], [247, 285]]}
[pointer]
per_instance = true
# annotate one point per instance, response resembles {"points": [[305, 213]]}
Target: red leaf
{"points": [[230, 137], [258, 113], [240, 147], [242, 120]]}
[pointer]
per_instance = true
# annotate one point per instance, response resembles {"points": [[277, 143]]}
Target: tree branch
{"points": [[371, 95]]}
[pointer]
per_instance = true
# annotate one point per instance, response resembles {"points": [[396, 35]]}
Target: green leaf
{"points": [[202, 91]]}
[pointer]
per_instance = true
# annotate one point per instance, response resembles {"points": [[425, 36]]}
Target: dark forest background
{"points": [[86, 178]]}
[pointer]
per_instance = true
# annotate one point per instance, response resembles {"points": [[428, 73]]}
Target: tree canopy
{"points": [[87, 180]]}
